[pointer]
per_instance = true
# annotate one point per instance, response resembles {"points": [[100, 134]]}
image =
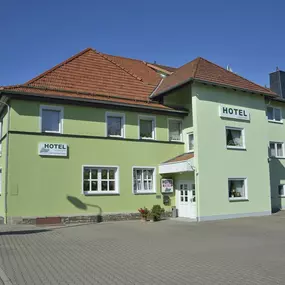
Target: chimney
{"points": [[277, 82]]}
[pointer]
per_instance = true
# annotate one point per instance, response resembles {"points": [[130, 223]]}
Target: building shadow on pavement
{"points": [[84, 206], [23, 232]]}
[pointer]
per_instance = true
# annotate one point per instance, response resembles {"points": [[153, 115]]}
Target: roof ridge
{"points": [[265, 89], [122, 67], [197, 65], [59, 65]]}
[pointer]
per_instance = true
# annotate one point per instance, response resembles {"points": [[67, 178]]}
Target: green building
{"points": [[102, 135]]}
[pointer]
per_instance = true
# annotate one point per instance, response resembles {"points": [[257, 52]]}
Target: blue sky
{"points": [[36, 35]]}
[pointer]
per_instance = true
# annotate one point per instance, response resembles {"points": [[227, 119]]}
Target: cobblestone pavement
{"points": [[241, 251]]}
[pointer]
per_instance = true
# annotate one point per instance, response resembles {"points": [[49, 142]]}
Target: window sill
{"points": [[147, 139], [51, 132], [237, 148], [281, 196], [101, 193], [237, 199], [275, 122], [277, 157], [113, 136], [144, 192]]}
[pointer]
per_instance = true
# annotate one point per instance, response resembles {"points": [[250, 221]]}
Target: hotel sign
{"points": [[234, 113], [53, 149]]}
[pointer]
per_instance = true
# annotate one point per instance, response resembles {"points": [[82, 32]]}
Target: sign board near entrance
{"points": [[53, 149], [166, 185], [234, 113]]}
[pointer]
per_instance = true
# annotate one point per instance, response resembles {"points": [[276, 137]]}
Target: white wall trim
{"points": [[154, 180], [153, 118], [52, 108], [168, 129], [101, 193]]}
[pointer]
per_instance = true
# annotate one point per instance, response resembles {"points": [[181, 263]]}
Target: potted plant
{"points": [[156, 212], [144, 213]]}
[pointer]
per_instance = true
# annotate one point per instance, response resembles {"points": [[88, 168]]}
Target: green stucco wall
{"points": [[215, 163], [52, 186]]}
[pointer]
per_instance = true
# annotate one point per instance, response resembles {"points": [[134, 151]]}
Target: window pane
{"points": [[94, 174], [104, 186], [234, 138], [104, 174], [277, 114], [279, 149], [114, 126], [86, 173], [281, 190], [236, 188], [174, 130], [50, 120], [146, 128], [269, 113], [111, 185], [111, 174], [272, 149], [191, 142], [86, 185], [94, 186]]}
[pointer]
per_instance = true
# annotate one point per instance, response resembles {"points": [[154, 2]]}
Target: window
{"points": [[237, 188], [281, 191], [1, 135], [0, 181], [100, 180], [274, 114], [143, 180], [146, 127], [115, 125], [174, 129], [276, 149], [235, 138], [190, 142], [51, 119]]}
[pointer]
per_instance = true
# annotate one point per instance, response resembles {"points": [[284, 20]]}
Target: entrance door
{"points": [[186, 199]]}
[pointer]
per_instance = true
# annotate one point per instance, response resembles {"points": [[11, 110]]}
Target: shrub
{"points": [[156, 212]]}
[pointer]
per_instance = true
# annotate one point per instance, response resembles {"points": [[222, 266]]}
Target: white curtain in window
{"points": [[174, 130], [114, 126], [237, 137], [50, 121], [279, 149], [146, 128], [277, 114]]}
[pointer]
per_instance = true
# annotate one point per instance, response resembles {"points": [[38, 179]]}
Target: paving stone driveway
{"points": [[241, 251]]}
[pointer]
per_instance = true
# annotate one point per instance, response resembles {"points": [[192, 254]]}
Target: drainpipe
{"points": [[6, 163]]}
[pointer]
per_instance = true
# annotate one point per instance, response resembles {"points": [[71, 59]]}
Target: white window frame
{"points": [[139, 192], [52, 108], [188, 134], [100, 192], [243, 138], [274, 120], [168, 125], [153, 119], [1, 135], [275, 143], [283, 186], [245, 198], [123, 129]]}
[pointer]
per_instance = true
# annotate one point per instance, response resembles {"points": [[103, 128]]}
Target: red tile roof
{"points": [[203, 70], [163, 67], [113, 79], [181, 157]]}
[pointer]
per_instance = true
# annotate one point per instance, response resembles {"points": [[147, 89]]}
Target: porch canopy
{"points": [[180, 163]]}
